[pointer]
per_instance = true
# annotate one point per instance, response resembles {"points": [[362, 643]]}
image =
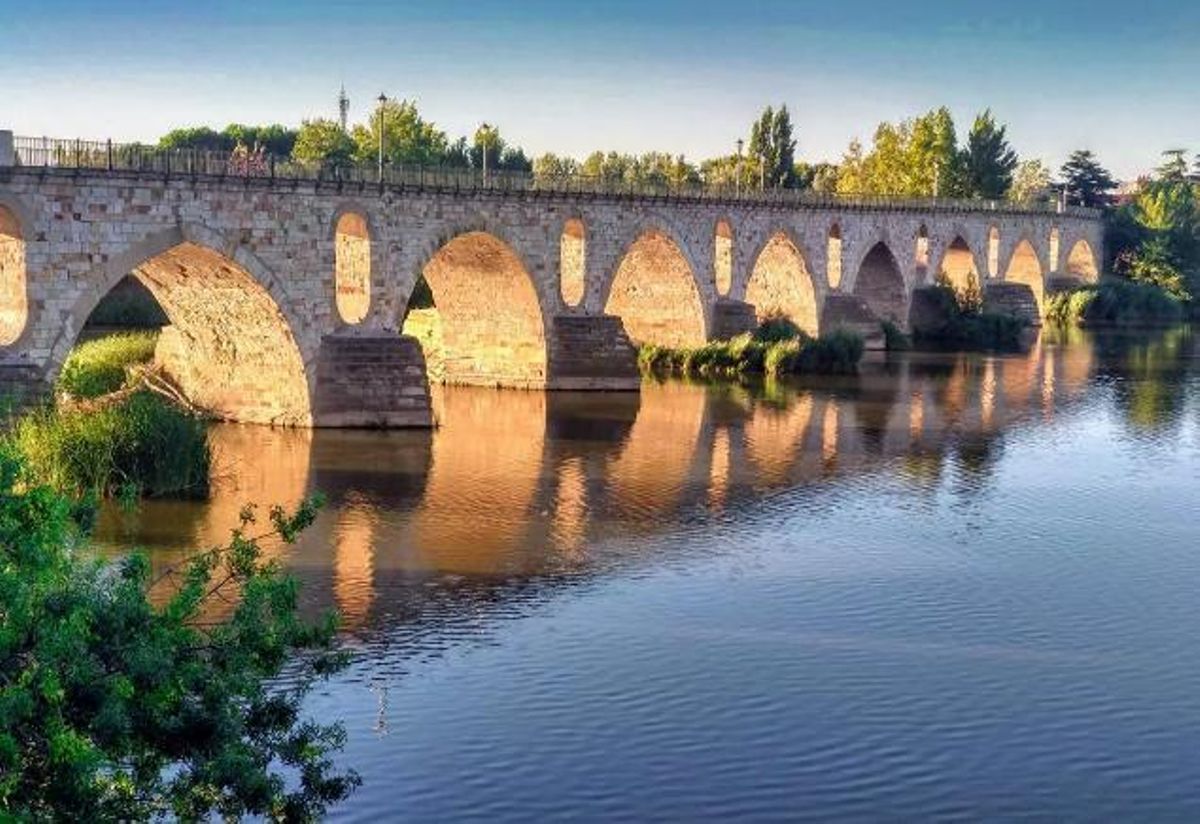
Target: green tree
{"points": [[1085, 181], [500, 155], [408, 139], [1031, 183], [323, 141], [550, 166], [915, 158], [988, 160], [113, 708], [773, 147], [200, 138]]}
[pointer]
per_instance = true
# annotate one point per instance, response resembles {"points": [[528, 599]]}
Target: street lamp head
{"points": [[740, 144], [382, 98]]}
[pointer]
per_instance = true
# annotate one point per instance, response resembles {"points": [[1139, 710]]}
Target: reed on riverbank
{"points": [[101, 366], [775, 349]]}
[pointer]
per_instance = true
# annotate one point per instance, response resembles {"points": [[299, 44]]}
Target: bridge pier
{"points": [[850, 313], [589, 352], [731, 318], [371, 380], [1015, 299]]}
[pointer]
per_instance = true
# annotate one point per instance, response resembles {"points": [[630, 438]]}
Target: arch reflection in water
{"points": [[521, 486]]}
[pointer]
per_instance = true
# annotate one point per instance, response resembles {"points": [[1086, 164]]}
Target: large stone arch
{"points": [[14, 294], [781, 283], [958, 265], [879, 283], [230, 346], [1025, 266], [654, 291], [1081, 262], [491, 325]]}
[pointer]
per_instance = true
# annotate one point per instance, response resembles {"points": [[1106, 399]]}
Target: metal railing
{"points": [[141, 159]]}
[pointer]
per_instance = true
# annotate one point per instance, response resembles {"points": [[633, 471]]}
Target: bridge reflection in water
{"points": [[520, 486]]}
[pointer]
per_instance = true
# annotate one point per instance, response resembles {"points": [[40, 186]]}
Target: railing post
{"points": [[8, 152], [109, 152]]}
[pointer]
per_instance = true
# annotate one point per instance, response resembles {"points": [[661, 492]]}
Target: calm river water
{"points": [[953, 586]]}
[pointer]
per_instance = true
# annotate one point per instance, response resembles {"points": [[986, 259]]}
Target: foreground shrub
{"points": [[113, 709], [142, 445], [1116, 303], [98, 367]]}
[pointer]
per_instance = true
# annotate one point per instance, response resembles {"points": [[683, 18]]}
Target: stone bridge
{"points": [[288, 297]]}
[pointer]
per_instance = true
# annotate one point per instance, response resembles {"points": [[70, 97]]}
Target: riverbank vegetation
{"points": [[776, 348], [1115, 302], [115, 428], [115, 709], [950, 319]]}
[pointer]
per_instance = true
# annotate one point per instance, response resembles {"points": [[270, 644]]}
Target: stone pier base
{"points": [[21, 387], [1015, 299], [591, 352], [371, 381], [731, 318], [850, 313]]}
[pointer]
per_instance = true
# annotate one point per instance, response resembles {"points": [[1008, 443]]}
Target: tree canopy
{"points": [[1085, 181], [988, 161]]}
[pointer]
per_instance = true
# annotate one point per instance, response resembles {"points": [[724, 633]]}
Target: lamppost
{"points": [[762, 170], [738, 173], [485, 132], [382, 100]]}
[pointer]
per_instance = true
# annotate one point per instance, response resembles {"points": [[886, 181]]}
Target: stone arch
{"points": [[229, 346], [654, 292], [1024, 266], [958, 267], [833, 256], [921, 252], [993, 252], [14, 299], [781, 284], [572, 262], [490, 326], [723, 256], [352, 265], [1081, 262], [880, 283]]}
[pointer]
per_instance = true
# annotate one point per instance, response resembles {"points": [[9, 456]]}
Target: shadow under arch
{"points": [[491, 330], [880, 284], [229, 346], [654, 292], [781, 284]]}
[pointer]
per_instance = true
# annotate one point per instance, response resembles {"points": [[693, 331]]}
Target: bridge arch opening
{"points": [[483, 322], [958, 269], [572, 262], [881, 285], [1081, 262], [993, 258], [1055, 242], [1024, 267], [654, 293], [921, 252], [14, 300], [225, 344], [723, 257], [352, 267], [781, 286], [833, 256]]}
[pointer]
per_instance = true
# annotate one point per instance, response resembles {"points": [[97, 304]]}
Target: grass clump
{"points": [[1115, 303], [143, 445], [776, 348], [101, 366]]}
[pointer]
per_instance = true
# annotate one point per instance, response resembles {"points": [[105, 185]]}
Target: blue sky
{"points": [[1120, 78]]}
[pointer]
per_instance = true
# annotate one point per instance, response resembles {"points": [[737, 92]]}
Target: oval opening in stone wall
{"points": [[352, 267], [14, 305]]}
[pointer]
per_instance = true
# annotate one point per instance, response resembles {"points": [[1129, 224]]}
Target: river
{"points": [[953, 586]]}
